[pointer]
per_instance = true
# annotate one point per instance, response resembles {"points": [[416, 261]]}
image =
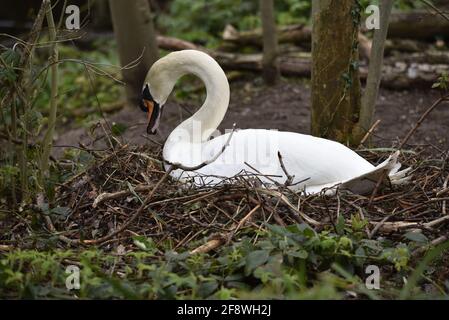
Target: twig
{"points": [[443, 210], [378, 183], [434, 242], [437, 10], [216, 242], [370, 131], [209, 246], [245, 218], [290, 205], [421, 119], [290, 178]]}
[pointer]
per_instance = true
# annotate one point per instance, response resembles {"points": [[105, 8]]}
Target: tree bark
{"points": [[136, 40], [101, 15], [270, 44], [374, 72], [335, 76]]}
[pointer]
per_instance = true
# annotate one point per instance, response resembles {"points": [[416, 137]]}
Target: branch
{"points": [[290, 178], [48, 138]]}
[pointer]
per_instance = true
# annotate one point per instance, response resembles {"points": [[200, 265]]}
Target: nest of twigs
{"points": [[126, 193]]}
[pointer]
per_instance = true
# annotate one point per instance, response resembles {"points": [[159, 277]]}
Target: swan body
{"points": [[313, 164]]}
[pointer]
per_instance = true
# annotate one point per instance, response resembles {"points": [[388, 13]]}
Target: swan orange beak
{"points": [[153, 114], [150, 107]]}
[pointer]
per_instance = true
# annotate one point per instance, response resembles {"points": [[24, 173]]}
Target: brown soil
{"points": [[286, 107]]}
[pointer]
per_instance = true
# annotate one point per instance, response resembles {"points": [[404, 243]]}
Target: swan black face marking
{"points": [[154, 110]]}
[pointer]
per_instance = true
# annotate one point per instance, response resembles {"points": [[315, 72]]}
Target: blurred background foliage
{"points": [[203, 21]]}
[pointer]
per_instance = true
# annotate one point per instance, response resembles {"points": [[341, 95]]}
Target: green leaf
{"points": [[173, 255], [302, 254], [255, 259], [145, 243], [278, 230], [205, 289], [416, 237], [328, 245], [340, 227]]}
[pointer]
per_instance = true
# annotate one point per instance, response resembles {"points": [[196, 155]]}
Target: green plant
{"points": [[291, 262]]}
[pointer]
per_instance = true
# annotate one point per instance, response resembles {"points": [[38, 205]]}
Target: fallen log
{"points": [[396, 74], [297, 33], [418, 25], [406, 45], [298, 65]]}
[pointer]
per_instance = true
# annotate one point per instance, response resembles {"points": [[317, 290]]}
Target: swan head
{"points": [[158, 85], [154, 109]]}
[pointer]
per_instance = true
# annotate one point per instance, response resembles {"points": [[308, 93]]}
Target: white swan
{"points": [[317, 164]]}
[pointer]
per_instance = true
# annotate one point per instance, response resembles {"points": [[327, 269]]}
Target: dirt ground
{"points": [[286, 107]]}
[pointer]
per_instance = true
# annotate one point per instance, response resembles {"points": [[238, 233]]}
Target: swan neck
{"points": [[201, 125]]}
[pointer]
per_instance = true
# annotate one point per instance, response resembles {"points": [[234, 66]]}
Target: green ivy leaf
{"points": [[416, 237], [340, 227], [302, 254], [255, 259]]}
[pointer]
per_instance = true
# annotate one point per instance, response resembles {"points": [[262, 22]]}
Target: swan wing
{"points": [[315, 163]]}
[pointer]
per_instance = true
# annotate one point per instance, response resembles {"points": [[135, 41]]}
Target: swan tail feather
{"points": [[389, 169]]}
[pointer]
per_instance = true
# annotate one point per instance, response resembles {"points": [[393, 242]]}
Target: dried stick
{"points": [[215, 243], [370, 131], [421, 119], [435, 242], [290, 178], [106, 196], [208, 246], [290, 205], [439, 193]]}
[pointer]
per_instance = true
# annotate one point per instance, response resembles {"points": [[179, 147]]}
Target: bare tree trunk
{"points": [[101, 15], [335, 75], [270, 44], [136, 40], [374, 72]]}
